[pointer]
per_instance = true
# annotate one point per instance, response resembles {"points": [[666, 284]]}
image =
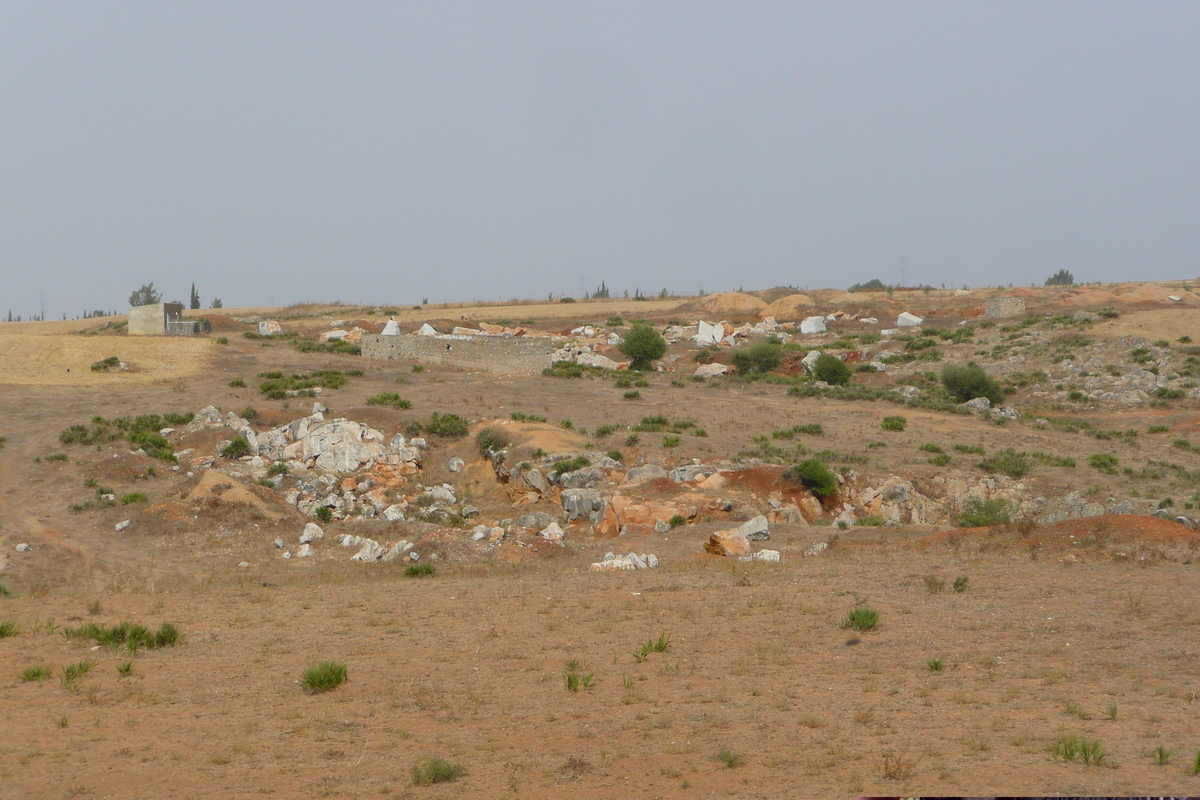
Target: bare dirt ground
{"points": [[1081, 628]]}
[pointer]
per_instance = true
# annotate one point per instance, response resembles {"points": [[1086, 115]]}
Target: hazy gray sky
{"points": [[386, 152]]}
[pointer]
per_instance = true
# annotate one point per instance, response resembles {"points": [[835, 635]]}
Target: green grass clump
{"points": [[125, 668], [421, 570], [1162, 755], [730, 758], [133, 497], [324, 514], [1104, 462], [577, 676], [127, 635], [677, 520], [39, 674], [969, 449], [72, 674], [436, 770], [8, 628], [893, 423], [960, 583], [861, 618], [106, 364], [391, 399], [236, 383], [323, 677], [934, 665], [934, 584]]}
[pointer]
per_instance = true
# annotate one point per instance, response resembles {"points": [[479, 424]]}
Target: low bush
{"points": [[643, 344], [127, 635], [324, 514], [323, 677], [450, 426], [490, 440], [980, 513], [814, 475], [893, 423], [238, 448], [571, 464], [970, 381], [1007, 461], [831, 369], [391, 399], [564, 369], [236, 383], [757, 359], [133, 497], [106, 364], [1104, 462]]}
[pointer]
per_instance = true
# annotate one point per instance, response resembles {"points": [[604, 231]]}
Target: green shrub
{"points": [[237, 448], [127, 635], [893, 423], [960, 583], [1104, 462], [489, 440], [571, 464], [564, 369], [670, 441], [615, 322], [324, 514], [236, 383], [391, 399], [436, 770], [757, 359], [643, 344], [133, 497], [1007, 461], [8, 628], [451, 426], [422, 570], [634, 395], [106, 364], [930, 447], [968, 382], [980, 513], [815, 475], [862, 618], [677, 520], [278, 468], [615, 455], [323, 677], [1157, 429], [831, 369]]}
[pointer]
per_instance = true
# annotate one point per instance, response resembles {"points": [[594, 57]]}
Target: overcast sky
{"points": [[391, 152]]}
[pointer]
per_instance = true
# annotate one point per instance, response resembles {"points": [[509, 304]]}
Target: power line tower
{"points": [[903, 271]]}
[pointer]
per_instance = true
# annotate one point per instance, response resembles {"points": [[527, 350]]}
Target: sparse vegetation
{"points": [[730, 758], [127, 635], [421, 570], [757, 359], [577, 676], [1008, 462], [39, 674], [893, 423], [237, 448]]}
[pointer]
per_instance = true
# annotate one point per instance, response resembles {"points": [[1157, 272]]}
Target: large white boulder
{"points": [[907, 320], [811, 325], [391, 329]]}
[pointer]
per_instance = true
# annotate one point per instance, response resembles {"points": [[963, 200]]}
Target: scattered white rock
{"points": [[552, 532], [762, 555], [122, 525], [394, 513], [456, 464], [816, 549], [312, 531], [244, 564], [756, 530], [711, 370], [279, 544], [907, 320], [286, 554], [23, 547], [304, 551], [612, 562]]}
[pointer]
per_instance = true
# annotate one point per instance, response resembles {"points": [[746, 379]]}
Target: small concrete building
{"points": [[163, 319]]}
